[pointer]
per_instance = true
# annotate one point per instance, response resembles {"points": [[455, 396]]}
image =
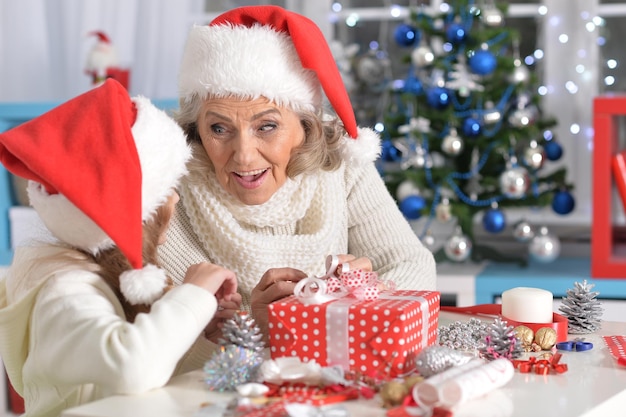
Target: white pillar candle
{"points": [[527, 305]]}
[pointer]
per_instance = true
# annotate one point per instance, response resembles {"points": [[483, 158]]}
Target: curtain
{"points": [[44, 45]]}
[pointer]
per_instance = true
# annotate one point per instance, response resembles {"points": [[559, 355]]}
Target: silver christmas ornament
{"points": [[523, 117], [544, 247], [436, 359], [428, 240], [520, 74], [452, 144], [405, 189], [491, 116], [458, 247], [534, 156], [443, 211], [523, 231], [422, 56], [372, 69], [514, 182], [492, 16]]}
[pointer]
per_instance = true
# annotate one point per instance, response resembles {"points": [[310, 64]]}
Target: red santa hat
{"points": [[99, 165], [268, 51]]}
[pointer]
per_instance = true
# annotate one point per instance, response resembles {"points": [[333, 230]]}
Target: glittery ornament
{"points": [[582, 309], [231, 366], [523, 117], [491, 116], [372, 69], [392, 393], [458, 247], [545, 337], [514, 182], [523, 231], [464, 336], [500, 341], [435, 359], [544, 247]]}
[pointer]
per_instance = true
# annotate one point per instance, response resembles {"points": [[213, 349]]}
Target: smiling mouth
{"points": [[251, 180]]}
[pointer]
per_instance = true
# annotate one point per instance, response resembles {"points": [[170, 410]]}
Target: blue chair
{"points": [[11, 115]]}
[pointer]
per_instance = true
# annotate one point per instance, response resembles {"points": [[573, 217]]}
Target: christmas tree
{"points": [[465, 135]]}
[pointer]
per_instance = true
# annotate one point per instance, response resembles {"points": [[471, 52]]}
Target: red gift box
{"points": [[376, 337]]}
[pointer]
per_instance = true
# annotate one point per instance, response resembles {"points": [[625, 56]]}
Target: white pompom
{"points": [[143, 286], [364, 149]]}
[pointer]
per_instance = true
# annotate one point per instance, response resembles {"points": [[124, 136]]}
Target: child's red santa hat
{"points": [[100, 165], [268, 51]]}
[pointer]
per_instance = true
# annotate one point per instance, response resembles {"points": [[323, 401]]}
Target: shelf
{"points": [[608, 259]]}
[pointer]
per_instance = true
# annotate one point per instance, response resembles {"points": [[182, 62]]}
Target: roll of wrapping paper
{"points": [[428, 391], [559, 322], [456, 386]]}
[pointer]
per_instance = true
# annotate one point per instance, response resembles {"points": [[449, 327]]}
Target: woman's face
{"points": [[249, 143]]}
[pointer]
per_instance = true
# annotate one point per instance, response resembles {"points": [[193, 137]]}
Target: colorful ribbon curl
{"points": [[338, 282], [541, 366]]}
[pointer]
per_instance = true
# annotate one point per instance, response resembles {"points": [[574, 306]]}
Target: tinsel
{"points": [[466, 336], [582, 309], [239, 357], [435, 359], [230, 366], [500, 341]]}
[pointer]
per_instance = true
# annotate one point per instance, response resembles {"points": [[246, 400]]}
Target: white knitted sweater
{"points": [[345, 211]]}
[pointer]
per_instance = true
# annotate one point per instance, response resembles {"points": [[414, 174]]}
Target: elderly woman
{"points": [[276, 184]]}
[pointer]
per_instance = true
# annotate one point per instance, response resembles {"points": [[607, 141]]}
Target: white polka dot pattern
{"points": [[382, 335]]}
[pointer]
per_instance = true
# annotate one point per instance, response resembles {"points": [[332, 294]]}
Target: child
{"points": [[90, 314]]}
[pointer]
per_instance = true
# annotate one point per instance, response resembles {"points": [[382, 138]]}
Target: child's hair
{"points": [[112, 262]]}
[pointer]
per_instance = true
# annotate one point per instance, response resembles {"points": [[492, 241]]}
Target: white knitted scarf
{"points": [[304, 221]]}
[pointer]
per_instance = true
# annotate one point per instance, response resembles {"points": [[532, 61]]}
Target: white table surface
{"points": [[594, 385]]}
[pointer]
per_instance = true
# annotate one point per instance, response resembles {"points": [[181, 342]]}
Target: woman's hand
{"points": [[350, 262], [275, 284]]}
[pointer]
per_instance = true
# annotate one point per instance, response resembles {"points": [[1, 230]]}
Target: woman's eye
{"points": [[218, 129], [267, 127]]}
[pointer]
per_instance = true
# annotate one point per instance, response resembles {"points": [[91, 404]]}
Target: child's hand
{"points": [[213, 278]]}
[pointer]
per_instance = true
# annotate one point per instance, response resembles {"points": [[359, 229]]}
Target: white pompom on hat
{"points": [[267, 51], [99, 165]]}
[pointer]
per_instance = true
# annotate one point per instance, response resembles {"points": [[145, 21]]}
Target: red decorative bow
{"points": [[541, 366]]}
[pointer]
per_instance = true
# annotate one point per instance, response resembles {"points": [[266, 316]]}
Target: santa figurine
{"points": [[102, 59]]}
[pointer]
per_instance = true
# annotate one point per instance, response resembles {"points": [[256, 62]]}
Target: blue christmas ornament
{"points": [[482, 62], [407, 35], [389, 153], [563, 202], [472, 127], [456, 33], [494, 220], [438, 97], [413, 85], [412, 206], [553, 150]]}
